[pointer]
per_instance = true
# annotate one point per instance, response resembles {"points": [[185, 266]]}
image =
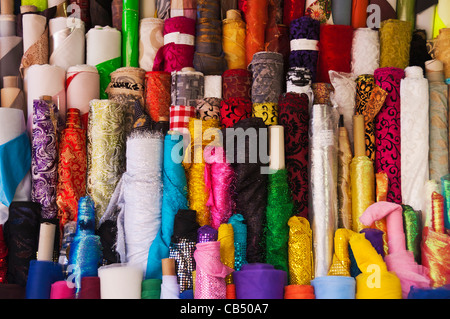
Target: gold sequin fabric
{"points": [[301, 270]]}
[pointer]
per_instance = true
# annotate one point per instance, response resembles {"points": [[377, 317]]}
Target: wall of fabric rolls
{"points": [[210, 149]]}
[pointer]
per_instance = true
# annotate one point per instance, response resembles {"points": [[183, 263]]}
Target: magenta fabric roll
{"points": [[387, 131], [178, 49]]}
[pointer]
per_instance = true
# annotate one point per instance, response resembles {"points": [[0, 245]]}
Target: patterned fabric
{"points": [[387, 131], [294, 117], [38, 53], [395, 40], [186, 8], [232, 110], [236, 83], [44, 160], [179, 117], [319, 10], [157, 94], [208, 108], [187, 87], [268, 112]]}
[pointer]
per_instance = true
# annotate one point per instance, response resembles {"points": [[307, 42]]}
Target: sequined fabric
{"points": [[301, 270]]}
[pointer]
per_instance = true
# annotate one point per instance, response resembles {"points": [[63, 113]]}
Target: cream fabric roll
{"points": [[66, 42], [102, 44], [120, 281], [147, 9], [425, 21], [414, 125], [53, 3], [82, 86], [33, 27], [49, 80], [213, 86], [150, 40], [365, 51], [12, 124]]}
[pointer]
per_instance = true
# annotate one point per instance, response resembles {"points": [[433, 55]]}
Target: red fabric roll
{"points": [[234, 109], [299, 292], [293, 9], [236, 83], [359, 13], [335, 48], [257, 18], [90, 288], [157, 95]]}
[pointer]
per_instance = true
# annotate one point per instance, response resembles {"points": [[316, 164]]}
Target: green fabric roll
{"points": [[413, 231], [395, 43], [41, 5], [130, 33], [406, 11], [151, 289], [104, 71]]}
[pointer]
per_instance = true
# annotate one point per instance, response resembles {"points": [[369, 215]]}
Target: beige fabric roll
{"points": [[150, 40]]}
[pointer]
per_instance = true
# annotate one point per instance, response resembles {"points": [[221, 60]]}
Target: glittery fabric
{"points": [[3, 256], [71, 168], [183, 253], [206, 233], [341, 260], [322, 92], [44, 160], [413, 231], [344, 182], [436, 257], [445, 186], [157, 94], [382, 185], [105, 151], [240, 240], [437, 218], [226, 238], [301, 269]]}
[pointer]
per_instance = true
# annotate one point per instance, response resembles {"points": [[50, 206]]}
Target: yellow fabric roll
{"points": [[375, 281], [268, 112], [201, 135], [344, 183], [233, 40], [341, 260], [441, 17], [226, 238], [395, 39], [301, 270], [382, 184], [363, 188]]}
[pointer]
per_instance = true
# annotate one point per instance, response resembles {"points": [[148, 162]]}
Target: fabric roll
{"points": [[163, 9], [299, 80], [120, 281], [21, 232], [66, 42], [344, 194], [236, 83], [304, 34], [322, 93], [429, 293], [11, 52], [60, 290], [130, 33], [294, 117], [233, 110], [259, 281], [266, 69], [445, 187], [425, 11], [210, 272], [434, 71], [431, 187], [342, 12], [182, 247], [414, 105], [256, 18], [406, 11], [334, 50], [225, 236], [117, 14], [387, 8], [180, 116], [103, 50], [441, 17], [157, 95], [187, 87], [46, 80], [82, 86], [293, 10], [418, 54], [300, 251], [44, 160], [179, 45], [90, 288], [105, 151], [365, 51], [41, 276], [169, 287], [147, 9], [208, 108], [11, 96], [150, 39], [35, 41], [268, 112], [322, 212], [358, 13], [388, 130], [240, 240], [319, 10], [250, 184], [299, 292], [83, 10], [341, 259], [412, 225], [233, 40], [85, 252], [185, 8], [395, 39], [72, 165], [334, 287]]}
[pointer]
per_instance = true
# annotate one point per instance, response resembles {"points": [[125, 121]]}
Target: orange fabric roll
{"points": [[359, 13], [157, 95], [257, 18], [299, 292], [231, 291]]}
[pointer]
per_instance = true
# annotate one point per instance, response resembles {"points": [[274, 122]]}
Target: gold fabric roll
{"points": [[268, 112], [341, 260], [442, 44], [105, 151], [363, 188], [233, 40], [375, 281], [344, 183], [301, 269], [395, 39], [226, 238], [382, 184]]}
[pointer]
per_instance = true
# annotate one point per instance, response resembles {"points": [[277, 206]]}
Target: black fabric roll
{"points": [[418, 53], [108, 237]]}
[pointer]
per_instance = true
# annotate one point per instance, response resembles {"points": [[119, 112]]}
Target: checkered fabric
{"points": [[179, 118]]}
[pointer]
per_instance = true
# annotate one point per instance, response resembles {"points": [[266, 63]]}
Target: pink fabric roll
{"points": [[210, 272], [179, 45], [399, 260], [61, 290]]}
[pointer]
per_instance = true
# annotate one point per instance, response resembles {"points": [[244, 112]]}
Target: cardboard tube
{"points": [[276, 147], [29, 8], [358, 135], [7, 7], [168, 267], [46, 242]]}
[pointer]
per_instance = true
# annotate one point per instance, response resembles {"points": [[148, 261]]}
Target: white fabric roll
{"points": [[150, 40], [414, 124], [33, 27], [365, 51], [120, 281], [213, 86], [46, 241], [42, 80], [147, 9], [170, 289], [67, 42], [102, 44], [54, 3], [12, 124], [276, 147], [425, 21], [83, 85]]}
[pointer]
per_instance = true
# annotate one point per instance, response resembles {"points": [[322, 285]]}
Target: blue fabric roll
{"points": [[240, 240], [174, 199], [334, 287], [429, 293], [41, 276], [187, 294]]}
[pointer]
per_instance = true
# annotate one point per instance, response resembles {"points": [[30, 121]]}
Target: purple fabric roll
{"points": [[375, 236], [304, 28], [259, 281], [206, 233], [44, 160]]}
